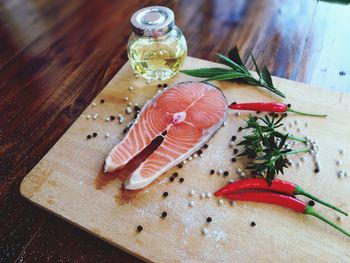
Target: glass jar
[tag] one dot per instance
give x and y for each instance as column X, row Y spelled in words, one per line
column 156, row 48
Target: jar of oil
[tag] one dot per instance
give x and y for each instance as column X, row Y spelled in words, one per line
column 156, row 48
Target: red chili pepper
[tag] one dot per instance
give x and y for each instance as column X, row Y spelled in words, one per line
column 283, row 200
column 270, row 107
column 280, row 186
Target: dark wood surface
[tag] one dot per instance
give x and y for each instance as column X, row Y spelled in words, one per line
column 55, row 56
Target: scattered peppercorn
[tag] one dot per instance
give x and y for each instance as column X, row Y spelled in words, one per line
column 112, row 118
column 240, row 129
column 159, row 85
column 233, row 138
column 102, row 101
column 165, row 85
column 199, row 152
column 317, row 170
column 88, row 137
column 342, row 73
column 233, row 160
column 212, row 171
column 164, row 133
column 252, row 224
column 94, row 134
column 180, row 165
column 181, row 180
column 176, row 174
column 234, row 103
column 139, row 228
column 235, row 151
column 164, row 214
column 226, row 173
column 311, row 203
column 205, row 146
column 289, row 105
column 258, row 112
column 209, row 219
column 165, row 194
column 171, row 179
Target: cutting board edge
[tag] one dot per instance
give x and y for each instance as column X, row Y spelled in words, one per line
column 66, row 219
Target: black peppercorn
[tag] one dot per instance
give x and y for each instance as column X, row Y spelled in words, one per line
column 233, row 138
column 209, row 219
column 94, row 134
column 181, row 180
column 253, row 224
column 165, row 194
column 226, row 173
column 234, row 103
column 200, row 152
column 171, row 179
column 88, row 137
column 212, row 171
column 180, row 166
column 317, row 170
column 240, row 129
column 311, row 203
column 165, row 85
column 205, row 146
column 176, row 174
column 289, row 105
column 159, row 85
column 164, row 214
column 235, row 151
column 112, row 118
column 102, row 101
column 233, row 160
column 139, row 228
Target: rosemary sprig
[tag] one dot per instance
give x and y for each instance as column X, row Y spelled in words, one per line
column 265, row 146
column 238, row 72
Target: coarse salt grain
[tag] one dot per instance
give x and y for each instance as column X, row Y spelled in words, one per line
column 237, row 113
column 191, row 203
column 208, row 195
column 338, row 162
column 231, row 180
column 220, row 172
column 204, row 231
column 93, row 104
column 107, row 134
column 190, row 158
column 148, row 81
column 232, row 144
column 202, row 195
column 238, row 170
column 195, row 156
column 126, row 98
column 88, row 117
column 221, row 202
column 191, row 193
column 224, row 123
column 131, row 88
column 108, row 119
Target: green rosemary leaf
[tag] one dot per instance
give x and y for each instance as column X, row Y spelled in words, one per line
column 266, row 76
column 233, row 54
column 227, row 76
column 206, row 72
column 228, row 62
column 256, row 66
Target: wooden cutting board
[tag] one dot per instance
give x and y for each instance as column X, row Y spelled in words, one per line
column 68, row 183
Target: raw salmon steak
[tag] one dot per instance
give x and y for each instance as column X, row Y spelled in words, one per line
column 186, row 115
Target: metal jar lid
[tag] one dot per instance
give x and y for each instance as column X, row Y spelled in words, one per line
column 153, row 21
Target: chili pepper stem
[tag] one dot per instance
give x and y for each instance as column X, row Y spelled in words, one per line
column 298, row 151
column 310, row 211
column 299, row 191
column 296, row 138
column 306, row 114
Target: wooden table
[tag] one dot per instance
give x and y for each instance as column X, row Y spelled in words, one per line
column 55, row 56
